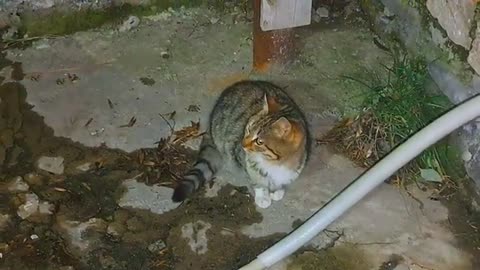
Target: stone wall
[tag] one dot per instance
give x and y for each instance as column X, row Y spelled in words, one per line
column 445, row 33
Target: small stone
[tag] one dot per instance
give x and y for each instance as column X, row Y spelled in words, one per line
column 131, row 23
column 165, row 55
column 29, row 207
column 33, row 179
column 18, row 185
column 84, row 167
column 45, row 208
column 157, row 246
column 214, row 20
column 322, row 12
column 51, row 164
column 155, row 198
column 466, row 156
column 196, row 234
column 34, row 237
column 316, row 18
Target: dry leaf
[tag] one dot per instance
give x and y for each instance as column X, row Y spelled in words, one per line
column 132, row 122
column 149, row 163
column 110, row 103
column 88, row 122
column 187, row 133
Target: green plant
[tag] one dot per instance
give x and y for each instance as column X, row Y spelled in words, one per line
column 403, row 106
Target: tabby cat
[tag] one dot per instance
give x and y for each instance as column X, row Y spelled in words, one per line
column 258, row 126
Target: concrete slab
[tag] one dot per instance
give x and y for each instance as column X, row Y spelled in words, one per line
column 110, row 77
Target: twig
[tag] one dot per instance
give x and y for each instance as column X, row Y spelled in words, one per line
column 172, row 130
column 11, row 42
column 367, row 243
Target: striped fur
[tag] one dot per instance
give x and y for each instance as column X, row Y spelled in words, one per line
column 246, row 112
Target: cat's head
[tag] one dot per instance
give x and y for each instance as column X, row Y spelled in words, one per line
column 273, row 136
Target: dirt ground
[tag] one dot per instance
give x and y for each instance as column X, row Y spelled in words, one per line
column 78, row 223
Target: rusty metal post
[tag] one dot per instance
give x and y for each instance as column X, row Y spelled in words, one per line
column 271, row 47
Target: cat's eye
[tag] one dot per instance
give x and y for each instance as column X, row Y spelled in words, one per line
column 258, row 141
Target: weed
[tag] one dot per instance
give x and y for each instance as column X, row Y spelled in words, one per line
column 395, row 109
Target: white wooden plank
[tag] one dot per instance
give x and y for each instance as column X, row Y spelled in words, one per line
column 281, row 14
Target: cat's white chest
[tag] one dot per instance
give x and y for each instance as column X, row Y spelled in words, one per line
column 277, row 175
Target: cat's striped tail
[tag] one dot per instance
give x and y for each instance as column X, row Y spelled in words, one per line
column 207, row 164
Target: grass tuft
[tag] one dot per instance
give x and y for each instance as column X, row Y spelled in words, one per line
column 395, row 109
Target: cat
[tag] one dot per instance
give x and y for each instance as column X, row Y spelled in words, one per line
column 258, row 126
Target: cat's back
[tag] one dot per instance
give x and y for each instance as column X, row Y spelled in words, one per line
column 246, row 98
column 232, row 110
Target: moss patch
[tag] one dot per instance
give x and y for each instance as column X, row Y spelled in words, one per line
column 337, row 258
column 60, row 22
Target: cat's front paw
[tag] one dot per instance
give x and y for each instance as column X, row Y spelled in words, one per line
column 277, row 195
column 263, row 202
column 262, row 198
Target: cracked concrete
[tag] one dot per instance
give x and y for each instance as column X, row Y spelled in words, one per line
column 109, row 88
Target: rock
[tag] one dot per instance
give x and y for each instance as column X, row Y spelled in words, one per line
column 474, row 54
column 456, row 17
column 196, row 234
column 322, row 12
column 214, row 20
column 129, row 24
column 165, row 55
column 45, row 208
column 79, row 241
column 466, row 156
column 51, row 164
column 155, row 198
column 30, row 206
column 33, row 179
column 157, row 246
column 84, row 167
column 18, row 185
column 33, row 205
column 34, row 237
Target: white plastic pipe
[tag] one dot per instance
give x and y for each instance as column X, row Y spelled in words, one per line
column 367, row 182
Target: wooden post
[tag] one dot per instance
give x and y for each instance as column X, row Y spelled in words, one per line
column 273, row 36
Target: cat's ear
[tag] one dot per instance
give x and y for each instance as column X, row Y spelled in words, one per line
column 282, row 127
column 270, row 105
